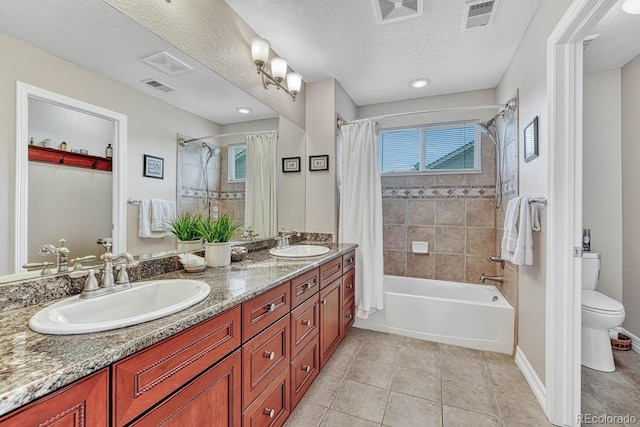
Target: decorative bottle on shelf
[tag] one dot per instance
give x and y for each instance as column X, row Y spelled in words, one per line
column 586, row 240
column 31, row 142
column 109, row 151
column 63, row 146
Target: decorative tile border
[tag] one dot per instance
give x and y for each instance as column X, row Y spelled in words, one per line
column 233, row 195
column 434, row 192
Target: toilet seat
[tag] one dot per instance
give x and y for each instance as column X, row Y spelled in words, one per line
column 597, row 302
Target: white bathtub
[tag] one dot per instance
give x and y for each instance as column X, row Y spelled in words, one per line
column 468, row 315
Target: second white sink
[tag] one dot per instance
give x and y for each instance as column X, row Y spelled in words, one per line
column 299, row 251
column 143, row 302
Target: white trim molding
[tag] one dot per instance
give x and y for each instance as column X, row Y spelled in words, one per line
column 532, row 378
column 564, row 212
column 635, row 340
column 23, row 93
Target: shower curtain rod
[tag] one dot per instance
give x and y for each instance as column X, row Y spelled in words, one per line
column 509, row 105
column 186, row 141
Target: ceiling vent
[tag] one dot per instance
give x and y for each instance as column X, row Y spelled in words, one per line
column 396, row 10
column 158, row 85
column 587, row 41
column 479, row 13
column 167, row 63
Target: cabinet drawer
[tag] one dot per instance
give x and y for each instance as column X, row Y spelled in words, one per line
column 349, row 318
column 145, row 378
column 348, row 261
column 305, row 322
column 263, row 358
column 349, row 284
column 303, row 286
column 330, row 271
column 272, row 407
column 212, row 399
column 304, row 370
column 83, row 403
column 263, row 310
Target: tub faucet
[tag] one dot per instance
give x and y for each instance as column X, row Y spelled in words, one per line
column 61, row 253
column 499, row 279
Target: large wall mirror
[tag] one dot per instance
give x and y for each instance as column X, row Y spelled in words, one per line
column 72, row 81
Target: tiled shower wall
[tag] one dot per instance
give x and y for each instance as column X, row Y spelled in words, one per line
column 454, row 213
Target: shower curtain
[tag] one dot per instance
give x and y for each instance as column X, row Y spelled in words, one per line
column 361, row 211
column 260, row 191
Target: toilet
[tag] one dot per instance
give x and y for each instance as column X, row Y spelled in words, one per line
column 599, row 314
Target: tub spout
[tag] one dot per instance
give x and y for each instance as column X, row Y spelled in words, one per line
column 499, row 279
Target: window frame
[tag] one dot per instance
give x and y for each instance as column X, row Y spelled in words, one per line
column 442, row 125
column 231, row 164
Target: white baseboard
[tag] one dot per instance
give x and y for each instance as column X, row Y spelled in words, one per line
column 635, row 340
column 532, row 378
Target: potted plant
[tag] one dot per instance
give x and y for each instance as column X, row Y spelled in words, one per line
column 185, row 228
column 216, row 234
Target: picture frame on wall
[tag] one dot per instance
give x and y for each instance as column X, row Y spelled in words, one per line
column 319, row 163
column 153, row 167
column 290, row 164
column 531, row 140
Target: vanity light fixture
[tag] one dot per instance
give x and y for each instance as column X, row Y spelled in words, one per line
column 631, row 6
column 419, row 83
column 243, row 110
column 274, row 73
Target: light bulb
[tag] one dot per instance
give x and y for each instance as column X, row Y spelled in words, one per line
column 260, row 51
column 278, row 68
column 294, row 82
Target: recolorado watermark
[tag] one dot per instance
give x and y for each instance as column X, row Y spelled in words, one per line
column 606, row 419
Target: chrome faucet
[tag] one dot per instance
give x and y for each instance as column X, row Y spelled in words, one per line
column 61, row 253
column 108, row 282
column 499, row 279
column 496, row 259
column 282, row 241
column 249, row 234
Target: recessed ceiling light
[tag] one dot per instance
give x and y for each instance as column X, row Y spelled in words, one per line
column 418, row 83
column 631, row 6
column 243, row 110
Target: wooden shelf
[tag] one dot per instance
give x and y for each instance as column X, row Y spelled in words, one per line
column 68, row 158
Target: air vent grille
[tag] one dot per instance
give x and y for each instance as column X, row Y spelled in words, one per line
column 158, row 85
column 588, row 40
column 167, row 63
column 396, row 10
column 479, row 13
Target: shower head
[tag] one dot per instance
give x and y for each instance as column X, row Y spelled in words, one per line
column 486, row 129
column 212, row 150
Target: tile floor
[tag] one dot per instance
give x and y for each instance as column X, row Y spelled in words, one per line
column 613, row 393
column 378, row 379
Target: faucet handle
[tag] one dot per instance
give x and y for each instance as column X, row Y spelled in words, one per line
column 36, row 265
column 77, row 262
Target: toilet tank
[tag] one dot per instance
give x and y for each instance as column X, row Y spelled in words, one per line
column 590, row 270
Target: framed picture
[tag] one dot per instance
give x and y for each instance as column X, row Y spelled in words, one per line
column 291, row 164
column 153, row 167
column 531, row 140
column 319, row 163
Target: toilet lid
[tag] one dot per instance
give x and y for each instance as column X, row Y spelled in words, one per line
column 596, row 301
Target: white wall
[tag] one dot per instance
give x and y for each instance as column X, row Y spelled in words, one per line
column 631, row 194
column 152, row 129
column 527, row 71
column 291, row 185
column 602, row 177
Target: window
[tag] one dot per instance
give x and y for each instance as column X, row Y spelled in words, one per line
column 237, row 162
column 447, row 147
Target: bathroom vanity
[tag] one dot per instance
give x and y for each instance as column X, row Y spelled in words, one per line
column 244, row 356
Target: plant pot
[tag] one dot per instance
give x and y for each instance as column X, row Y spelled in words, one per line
column 188, row 245
column 217, row 254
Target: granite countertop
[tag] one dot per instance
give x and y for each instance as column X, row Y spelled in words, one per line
column 33, row 365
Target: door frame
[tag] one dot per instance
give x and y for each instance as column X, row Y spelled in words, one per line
column 564, row 212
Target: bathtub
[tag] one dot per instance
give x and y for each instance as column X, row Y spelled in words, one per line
column 463, row 314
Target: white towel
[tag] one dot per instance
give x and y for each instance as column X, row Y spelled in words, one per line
column 162, row 213
column 529, row 221
column 510, row 236
column 145, row 221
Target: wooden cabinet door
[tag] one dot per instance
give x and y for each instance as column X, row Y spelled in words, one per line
column 330, row 320
column 211, row 400
column 84, row 403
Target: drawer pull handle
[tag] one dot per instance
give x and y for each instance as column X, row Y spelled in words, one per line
column 271, row 308
column 349, row 316
column 306, row 322
column 324, row 301
column 307, row 286
column 350, row 285
column 269, row 412
column 306, row 368
column 269, row 355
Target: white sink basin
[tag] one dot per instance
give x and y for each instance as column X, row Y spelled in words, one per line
column 299, row 251
column 143, row 302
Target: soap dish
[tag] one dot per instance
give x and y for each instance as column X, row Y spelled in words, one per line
column 195, row 268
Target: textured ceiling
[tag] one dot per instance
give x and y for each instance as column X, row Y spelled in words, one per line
column 96, row 36
column 375, row 62
column 618, row 42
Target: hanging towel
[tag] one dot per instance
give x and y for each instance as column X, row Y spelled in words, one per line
column 510, row 236
column 528, row 222
column 162, row 213
column 145, row 221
